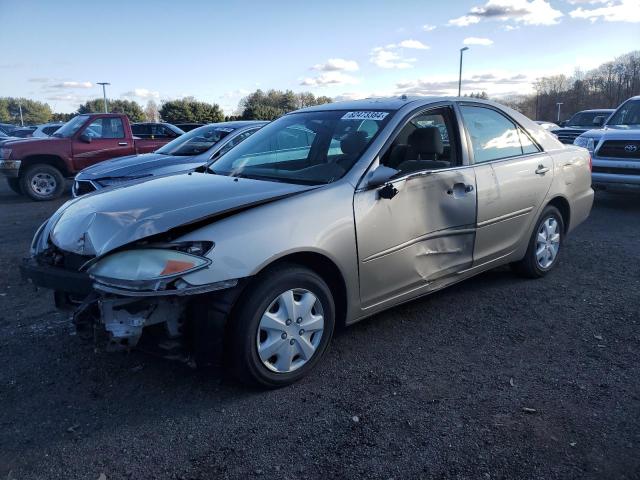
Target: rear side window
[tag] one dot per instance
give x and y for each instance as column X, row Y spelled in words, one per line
column 494, row 136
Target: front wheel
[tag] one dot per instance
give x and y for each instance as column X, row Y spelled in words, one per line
column 544, row 245
column 282, row 328
column 42, row 182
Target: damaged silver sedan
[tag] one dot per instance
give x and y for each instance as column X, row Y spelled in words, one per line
column 324, row 217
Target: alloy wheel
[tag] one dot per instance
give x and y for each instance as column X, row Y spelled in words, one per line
column 547, row 243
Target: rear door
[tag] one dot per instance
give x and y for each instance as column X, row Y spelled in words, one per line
column 425, row 232
column 513, row 177
column 107, row 140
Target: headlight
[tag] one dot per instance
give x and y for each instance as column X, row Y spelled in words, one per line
column 585, row 142
column 145, row 269
column 5, row 153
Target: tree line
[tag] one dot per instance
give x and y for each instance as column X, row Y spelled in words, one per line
column 259, row 105
column 606, row 86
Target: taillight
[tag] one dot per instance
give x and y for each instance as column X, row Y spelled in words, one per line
column 590, row 164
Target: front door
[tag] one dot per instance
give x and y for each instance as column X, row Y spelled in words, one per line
column 107, row 140
column 426, row 231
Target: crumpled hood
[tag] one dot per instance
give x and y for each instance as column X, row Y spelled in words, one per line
column 97, row 223
column 134, row 165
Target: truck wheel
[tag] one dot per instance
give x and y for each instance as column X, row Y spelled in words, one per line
column 282, row 327
column 544, row 245
column 14, row 184
column 42, row 182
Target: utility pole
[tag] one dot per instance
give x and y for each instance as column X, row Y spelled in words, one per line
column 558, row 104
column 104, row 95
column 462, row 50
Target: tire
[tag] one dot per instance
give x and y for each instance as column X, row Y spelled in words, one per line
column 535, row 265
column 14, row 184
column 276, row 292
column 42, row 182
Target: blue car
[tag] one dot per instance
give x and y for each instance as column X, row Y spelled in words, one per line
column 187, row 152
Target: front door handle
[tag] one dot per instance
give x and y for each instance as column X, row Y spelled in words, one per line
column 460, row 189
column 541, row 170
column 123, row 144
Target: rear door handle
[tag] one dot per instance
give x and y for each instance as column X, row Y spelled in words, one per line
column 123, row 144
column 541, row 170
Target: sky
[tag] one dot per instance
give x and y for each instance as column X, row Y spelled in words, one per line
column 220, row 51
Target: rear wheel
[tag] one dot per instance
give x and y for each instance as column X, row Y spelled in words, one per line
column 544, row 245
column 42, row 182
column 14, row 184
column 282, row 328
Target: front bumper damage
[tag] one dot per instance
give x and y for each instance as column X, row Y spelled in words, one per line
column 179, row 324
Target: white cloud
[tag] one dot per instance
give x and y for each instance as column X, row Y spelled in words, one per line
column 386, row 57
column 464, row 21
column 621, row 11
column 527, row 12
column 477, row 41
column 337, row 64
column 415, row 44
column 329, row 78
column 428, row 28
column 73, row 85
column 142, row 93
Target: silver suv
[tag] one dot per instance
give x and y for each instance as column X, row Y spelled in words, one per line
column 324, row 217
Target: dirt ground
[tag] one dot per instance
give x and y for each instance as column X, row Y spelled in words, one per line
column 495, row 378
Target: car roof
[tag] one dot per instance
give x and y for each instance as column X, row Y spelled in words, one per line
column 391, row 103
column 236, row 123
column 598, row 110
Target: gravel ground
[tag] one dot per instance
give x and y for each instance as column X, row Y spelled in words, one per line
column 438, row 388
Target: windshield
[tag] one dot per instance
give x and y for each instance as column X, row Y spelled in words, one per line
column 585, row 119
column 71, row 127
column 309, row 148
column 628, row 114
column 196, row 141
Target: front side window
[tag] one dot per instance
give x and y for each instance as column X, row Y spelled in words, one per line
column 196, row 141
column 309, row 147
column 627, row 115
column 494, row 136
column 105, row 128
column 424, row 143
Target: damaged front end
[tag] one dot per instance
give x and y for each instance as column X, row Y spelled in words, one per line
column 116, row 297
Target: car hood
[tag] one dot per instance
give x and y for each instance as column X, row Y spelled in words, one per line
column 614, row 133
column 134, row 165
column 33, row 145
column 97, row 223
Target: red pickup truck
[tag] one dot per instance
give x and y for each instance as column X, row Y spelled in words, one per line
column 37, row 167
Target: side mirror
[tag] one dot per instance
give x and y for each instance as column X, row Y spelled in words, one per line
column 85, row 138
column 598, row 121
column 380, row 176
column 563, row 123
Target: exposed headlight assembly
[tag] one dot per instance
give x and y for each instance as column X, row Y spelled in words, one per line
column 585, row 142
column 145, row 268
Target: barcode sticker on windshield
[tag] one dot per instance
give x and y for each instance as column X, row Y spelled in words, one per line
column 365, row 115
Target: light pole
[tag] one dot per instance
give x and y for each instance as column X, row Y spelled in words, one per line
column 21, row 119
column 104, row 95
column 462, row 50
column 558, row 105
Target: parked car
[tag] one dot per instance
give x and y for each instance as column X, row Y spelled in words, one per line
column 581, row 122
column 46, row 129
column 38, row 167
column 7, row 128
column 187, row 152
column 187, row 127
column 547, row 125
column 156, row 130
column 615, row 149
column 323, row 217
column 22, row 132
